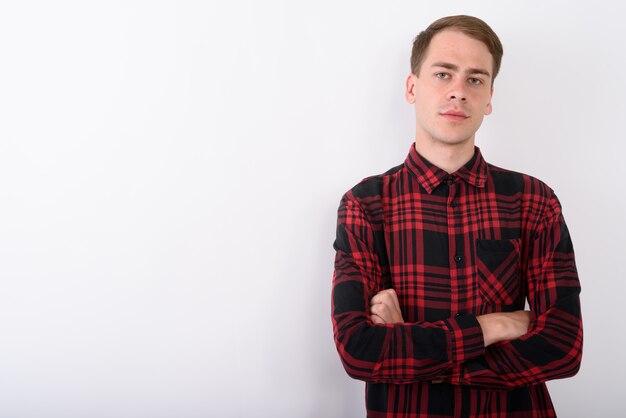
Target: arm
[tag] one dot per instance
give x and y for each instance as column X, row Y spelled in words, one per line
column 552, row 348
column 393, row 353
column 496, row 327
column 516, row 357
column 503, row 326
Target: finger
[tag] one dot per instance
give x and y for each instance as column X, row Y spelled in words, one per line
column 389, row 297
column 377, row 319
column 384, row 312
column 378, row 309
column 386, row 296
column 378, row 297
column 394, row 297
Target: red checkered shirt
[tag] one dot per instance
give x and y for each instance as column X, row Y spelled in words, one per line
column 454, row 246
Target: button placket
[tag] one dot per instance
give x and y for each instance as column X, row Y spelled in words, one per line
column 451, row 191
column 454, row 251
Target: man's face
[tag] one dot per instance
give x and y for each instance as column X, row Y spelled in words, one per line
column 453, row 91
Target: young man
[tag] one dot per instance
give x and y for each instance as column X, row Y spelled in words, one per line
column 437, row 257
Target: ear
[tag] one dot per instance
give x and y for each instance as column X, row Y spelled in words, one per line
column 489, row 109
column 409, row 94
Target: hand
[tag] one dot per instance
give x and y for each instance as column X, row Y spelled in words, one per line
column 502, row 326
column 385, row 308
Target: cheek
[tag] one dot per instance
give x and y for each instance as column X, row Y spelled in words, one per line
column 426, row 99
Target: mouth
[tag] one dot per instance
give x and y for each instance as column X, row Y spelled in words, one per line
column 454, row 115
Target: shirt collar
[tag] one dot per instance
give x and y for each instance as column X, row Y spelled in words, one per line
column 430, row 176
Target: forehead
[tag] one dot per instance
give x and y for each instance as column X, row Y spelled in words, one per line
column 455, row 47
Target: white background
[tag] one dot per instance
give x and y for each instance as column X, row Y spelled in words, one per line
column 170, row 173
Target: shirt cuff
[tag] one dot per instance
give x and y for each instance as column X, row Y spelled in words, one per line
column 465, row 338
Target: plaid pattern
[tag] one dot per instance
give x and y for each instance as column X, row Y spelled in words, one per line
column 453, row 247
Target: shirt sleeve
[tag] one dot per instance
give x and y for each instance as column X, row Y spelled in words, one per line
column 391, row 353
column 552, row 348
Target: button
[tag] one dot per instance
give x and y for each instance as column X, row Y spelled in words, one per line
column 453, row 204
column 458, row 258
column 457, row 315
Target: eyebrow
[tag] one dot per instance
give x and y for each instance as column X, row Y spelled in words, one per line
column 454, row 67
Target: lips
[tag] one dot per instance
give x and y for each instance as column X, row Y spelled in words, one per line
column 454, row 115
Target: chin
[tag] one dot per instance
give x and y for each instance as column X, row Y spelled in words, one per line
column 455, row 135
column 454, row 140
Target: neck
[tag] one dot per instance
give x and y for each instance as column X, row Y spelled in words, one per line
column 448, row 157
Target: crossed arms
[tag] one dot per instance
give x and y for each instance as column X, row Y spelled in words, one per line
column 498, row 350
column 496, row 327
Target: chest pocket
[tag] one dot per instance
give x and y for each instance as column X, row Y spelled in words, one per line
column 498, row 268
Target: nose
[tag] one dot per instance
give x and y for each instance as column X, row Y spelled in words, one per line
column 457, row 91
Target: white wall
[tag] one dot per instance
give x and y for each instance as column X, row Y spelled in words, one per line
column 170, row 173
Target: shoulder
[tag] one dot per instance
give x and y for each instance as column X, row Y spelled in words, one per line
column 509, row 182
column 372, row 186
column 368, row 193
column 538, row 199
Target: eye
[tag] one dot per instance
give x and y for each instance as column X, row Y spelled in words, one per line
column 475, row 81
column 442, row 76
